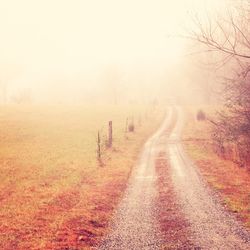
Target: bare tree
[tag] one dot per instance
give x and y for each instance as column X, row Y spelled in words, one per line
column 228, row 34
column 23, row 96
column 3, row 91
column 229, row 37
column 8, row 72
column 112, row 83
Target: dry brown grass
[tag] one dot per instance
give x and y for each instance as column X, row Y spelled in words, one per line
column 231, row 181
column 53, row 193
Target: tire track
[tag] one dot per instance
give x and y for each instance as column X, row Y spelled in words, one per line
column 135, row 224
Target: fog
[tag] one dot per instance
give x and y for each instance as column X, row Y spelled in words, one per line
column 74, row 51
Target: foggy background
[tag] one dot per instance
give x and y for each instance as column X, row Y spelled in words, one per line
column 76, row 51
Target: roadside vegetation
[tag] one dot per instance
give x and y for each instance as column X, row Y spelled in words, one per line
column 231, row 180
column 220, row 142
column 226, row 38
column 54, row 193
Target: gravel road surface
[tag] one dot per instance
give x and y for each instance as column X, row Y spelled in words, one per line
column 135, row 224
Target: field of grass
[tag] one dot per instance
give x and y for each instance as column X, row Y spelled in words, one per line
column 53, row 192
column 231, row 181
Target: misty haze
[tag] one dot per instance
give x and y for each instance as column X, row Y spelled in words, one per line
column 124, row 124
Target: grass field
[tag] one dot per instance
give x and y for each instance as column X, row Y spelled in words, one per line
column 53, row 192
column 231, row 181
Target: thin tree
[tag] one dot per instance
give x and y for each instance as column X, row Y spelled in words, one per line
column 229, row 38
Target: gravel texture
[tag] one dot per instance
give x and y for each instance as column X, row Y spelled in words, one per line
column 135, row 224
column 212, row 227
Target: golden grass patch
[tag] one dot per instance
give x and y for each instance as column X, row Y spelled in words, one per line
column 53, row 193
column 230, row 180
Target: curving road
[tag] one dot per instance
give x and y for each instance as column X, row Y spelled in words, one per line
column 135, row 224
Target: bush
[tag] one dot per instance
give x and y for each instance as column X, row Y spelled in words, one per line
column 201, row 116
column 131, row 127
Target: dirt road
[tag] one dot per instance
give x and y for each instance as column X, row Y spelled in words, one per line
column 211, row 226
column 135, row 224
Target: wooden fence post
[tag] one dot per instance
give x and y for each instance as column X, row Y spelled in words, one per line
column 98, row 146
column 131, row 125
column 110, row 136
column 126, row 126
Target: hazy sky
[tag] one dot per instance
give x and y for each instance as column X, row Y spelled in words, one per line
column 47, row 39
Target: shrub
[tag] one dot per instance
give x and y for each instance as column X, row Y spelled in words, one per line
column 201, row 116
column 131, row 127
